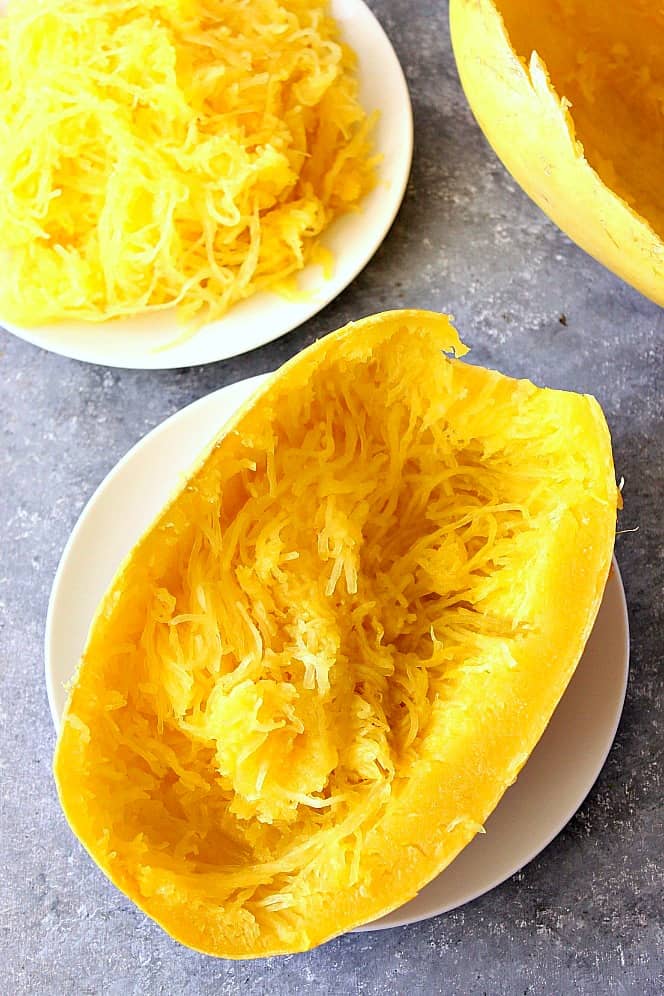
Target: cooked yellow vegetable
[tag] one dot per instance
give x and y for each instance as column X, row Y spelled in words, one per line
column 163, row 151
column 317, row 673
column 569, row 95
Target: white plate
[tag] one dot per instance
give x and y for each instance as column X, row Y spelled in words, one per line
column 138, row 342
column 559, row 773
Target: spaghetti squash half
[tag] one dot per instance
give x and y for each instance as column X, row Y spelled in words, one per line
column 315, row 676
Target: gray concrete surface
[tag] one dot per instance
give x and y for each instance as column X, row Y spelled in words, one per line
column 586, row 915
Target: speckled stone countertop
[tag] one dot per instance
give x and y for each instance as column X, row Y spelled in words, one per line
column 586, row 915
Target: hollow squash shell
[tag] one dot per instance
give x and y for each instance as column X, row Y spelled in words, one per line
column 531, row 128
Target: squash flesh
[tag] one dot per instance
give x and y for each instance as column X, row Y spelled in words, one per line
column 352, row 588
column 163, row 152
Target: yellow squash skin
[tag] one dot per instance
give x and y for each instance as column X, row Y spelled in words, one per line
column 567, row 95
column 475, row 516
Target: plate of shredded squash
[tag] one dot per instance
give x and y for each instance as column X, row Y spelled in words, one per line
column 345, row 601
column 184, row 181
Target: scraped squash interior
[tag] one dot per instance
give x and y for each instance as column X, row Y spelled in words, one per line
column 262, row 746
column 608, row 60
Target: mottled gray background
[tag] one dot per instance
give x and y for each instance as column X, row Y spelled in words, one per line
column 585, row 915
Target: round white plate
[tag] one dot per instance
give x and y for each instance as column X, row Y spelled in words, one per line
column 139, row 342
column 559, row 773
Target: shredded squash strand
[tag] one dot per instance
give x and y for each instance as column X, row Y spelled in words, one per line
column 170, row 151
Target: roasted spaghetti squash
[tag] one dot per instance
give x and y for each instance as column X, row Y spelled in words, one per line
column 162, row 152
column 315, row 676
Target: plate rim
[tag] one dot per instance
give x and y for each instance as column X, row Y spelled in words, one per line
column 244, row 387
column 160, row 358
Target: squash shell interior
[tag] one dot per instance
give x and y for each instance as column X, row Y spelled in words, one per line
column 568, row 93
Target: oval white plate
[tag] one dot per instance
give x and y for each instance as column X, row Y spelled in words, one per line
column 138, row 342
column 559, row 773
